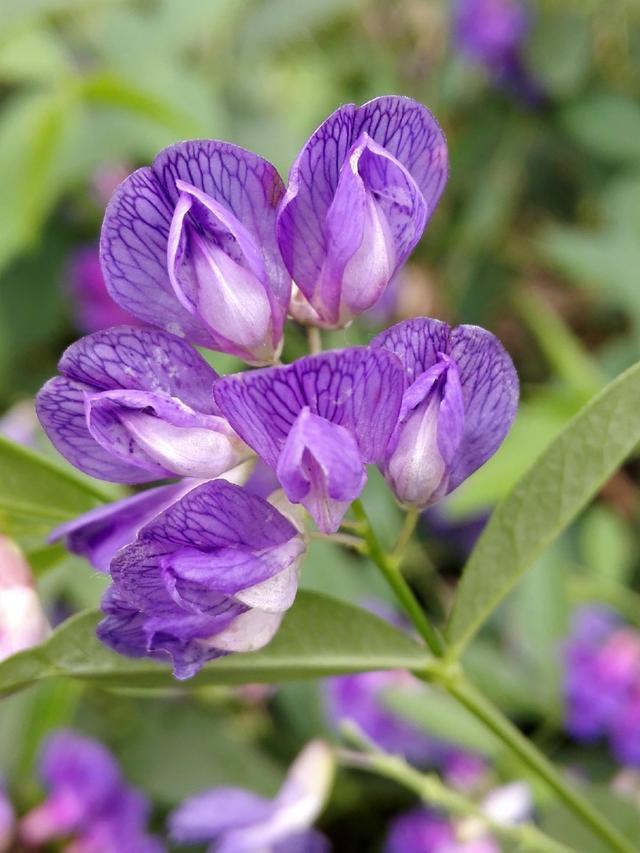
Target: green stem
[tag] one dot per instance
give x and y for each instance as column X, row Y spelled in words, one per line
column 314, row 339
column 410, row 521
column 391, row 571
column 434, row 793
column 494, row 720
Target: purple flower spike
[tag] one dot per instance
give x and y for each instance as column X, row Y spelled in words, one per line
column 134, row 405
column 317, row 422
column 100, row 533
column 239, row 821
column 459, row 405
column 360, row 194
column 212, row 574
column 88, row 799
column 189, row 245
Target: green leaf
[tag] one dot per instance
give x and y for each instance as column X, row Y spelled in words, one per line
column 32, row 487
column 549, row 496
column 319, row 636
column 175, row 750
column 607, row 126
column 441, row 717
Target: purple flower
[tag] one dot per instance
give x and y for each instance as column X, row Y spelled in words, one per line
column 239, row 821
column 22, row 620
column 360, row 194
column 602, row 682
column 93, row 308
column 493, row 33
column 423, row 831
column 212, row 574
column 459, row 403
column 134, row 405
column 189, row 245
column 87, row 799
column 317, row 422
column 490, row 31
column 100, row 533
column 7, row 818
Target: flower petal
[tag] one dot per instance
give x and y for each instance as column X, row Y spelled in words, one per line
column 416, row 343
column 359, row 389
column 162, row 435
column 248, row 632
column 248, row 186
column 133, row 253
column 490, row 391
column 320, row 466
column 100, row 533
column 220, row 515
column 408, row 132
column 60, row 405
column 142, row 360
column 207, row 815
column 488, row 380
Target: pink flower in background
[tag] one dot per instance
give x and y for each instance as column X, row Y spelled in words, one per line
column 22, row 620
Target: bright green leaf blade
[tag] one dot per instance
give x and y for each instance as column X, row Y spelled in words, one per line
column 32, row 486
column 319, row 636
column 549, row 496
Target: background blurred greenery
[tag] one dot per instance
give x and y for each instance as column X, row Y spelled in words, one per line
column 537, row 238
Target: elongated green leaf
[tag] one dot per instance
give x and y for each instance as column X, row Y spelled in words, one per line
column 319, row 636
column 549, row 496
column 31, row 487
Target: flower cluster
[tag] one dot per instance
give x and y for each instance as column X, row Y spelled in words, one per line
column 204, row 248
column 87, row 800
column 602, row 683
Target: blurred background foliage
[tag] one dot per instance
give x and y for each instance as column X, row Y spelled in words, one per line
column 537, row 238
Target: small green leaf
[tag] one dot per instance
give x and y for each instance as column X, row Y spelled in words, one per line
column 545, row 501
column 32, row 487
column 319, row 636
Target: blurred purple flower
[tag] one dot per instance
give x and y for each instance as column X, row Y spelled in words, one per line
column 87, row 799
column 22, row 620
column 422, row 831
column 239, row 821
column 493, row 33
column 134, row 405
column 459, row 403
column 602, row 682
column 317, row 422
column 212, row 574
column 20, row 423
column 7, row 819
column 93, row 308
column 360, row 194
column 189, row 245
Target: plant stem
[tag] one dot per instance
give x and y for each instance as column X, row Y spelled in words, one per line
column 346, row 539
column 410, row 521
column 494, row 720
column 314, row 338
column 391, row 571
column 431, row 790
